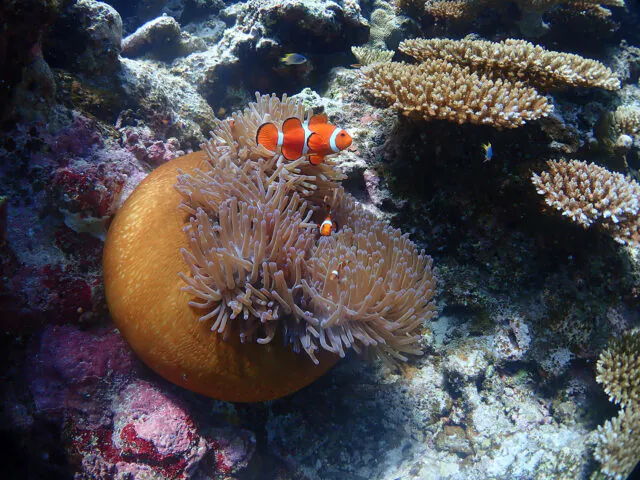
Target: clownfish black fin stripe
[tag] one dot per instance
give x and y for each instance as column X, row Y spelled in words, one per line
column 290, row 124
column 318, row 119
column 267, row 136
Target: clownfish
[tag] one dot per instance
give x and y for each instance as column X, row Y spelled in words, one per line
column 314, row 139
column 327, row 226
column 335, row 274
column 488, row 151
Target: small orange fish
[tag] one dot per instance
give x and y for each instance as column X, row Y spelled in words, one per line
column 327, row 226
column 314, row 139
column 335, row 274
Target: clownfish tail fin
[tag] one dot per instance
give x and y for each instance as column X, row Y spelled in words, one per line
column 267, row 136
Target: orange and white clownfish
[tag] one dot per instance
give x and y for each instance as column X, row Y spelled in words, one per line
column 327, row 226
column 314, row 139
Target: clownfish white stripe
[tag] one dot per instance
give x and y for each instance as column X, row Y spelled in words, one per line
column 307, row 134
column 280, row 138
column 332, row 140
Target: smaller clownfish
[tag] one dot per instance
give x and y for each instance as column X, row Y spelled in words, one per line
column 488, row 152
column 336, row 273
column 327, row 226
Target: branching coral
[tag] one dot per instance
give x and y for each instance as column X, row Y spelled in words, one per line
column 626, row 120
column 206, row 280
column 451, row 9
column 618, row 442
column 467, row 10
column 516, row 59
column 618, row 370
column 442, row 90
column 592, row 195
column 368, row 55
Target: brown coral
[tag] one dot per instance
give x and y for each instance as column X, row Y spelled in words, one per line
column 368, row 55
column 516, row 59
column 442, row 90
column 618, row 370
column 626, row 120
column 618, row 444
column 592, row 195
column 617, row 441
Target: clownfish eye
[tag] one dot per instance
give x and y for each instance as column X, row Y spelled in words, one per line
column 342, row 134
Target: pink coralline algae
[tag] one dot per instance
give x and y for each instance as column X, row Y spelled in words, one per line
column 152, row 428
column 140, row 141
column 78, row 139
column 119, row 425
column 91, row 189
column 74, row 368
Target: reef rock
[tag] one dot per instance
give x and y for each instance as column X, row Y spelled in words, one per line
column 161, row 38
column 154, row 89
column 86, row 39
column 264, row 30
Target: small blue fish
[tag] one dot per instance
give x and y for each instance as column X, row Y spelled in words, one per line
column 293, row 59
column 488, row 151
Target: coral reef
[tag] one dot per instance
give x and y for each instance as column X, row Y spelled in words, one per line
column 591, row 195
column 531, row 21
column 367, row 55
column 442, row 90
column 527, row 302
column 617, row 443
column 161, row 38
column 516, row 59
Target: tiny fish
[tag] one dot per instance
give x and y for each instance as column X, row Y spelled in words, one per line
column 314, row 139
column 327, row 226
column 335, row 274
column 488, row 151
column 293, row 59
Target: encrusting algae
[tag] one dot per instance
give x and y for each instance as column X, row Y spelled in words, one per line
column 218, row 277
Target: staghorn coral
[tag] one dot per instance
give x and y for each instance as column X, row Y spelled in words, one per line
column 449, row 9
column 617, row 441
column 626, row 120
column 618, row 444
column 516, row 59
column 592, row 195
column 239, row 267
column 618, row 370
column 368, row 55
column 466, row 9
column 446, row 91
column 546, row 5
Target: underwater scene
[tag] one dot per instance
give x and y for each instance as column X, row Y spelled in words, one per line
column 320, row 239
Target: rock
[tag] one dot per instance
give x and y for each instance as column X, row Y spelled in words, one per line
column 263, row 31
column 159, row 93
column 464, row 365
column 161, row 38
column 101, row 26
column 20, row 43
column 454, row 439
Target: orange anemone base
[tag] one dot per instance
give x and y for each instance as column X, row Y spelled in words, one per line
column 141, row 263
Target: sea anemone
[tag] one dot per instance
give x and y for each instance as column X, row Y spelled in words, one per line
column 217, row 276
